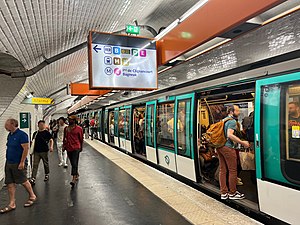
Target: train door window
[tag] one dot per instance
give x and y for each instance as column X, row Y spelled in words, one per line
column 184, row 127
column 150, row 126
column 138, row 129
column 111, row 126
column 165, row 125
column 122, row 123
column 127, row 124
column 106, row 122
column 100, row 124
column 290, row 131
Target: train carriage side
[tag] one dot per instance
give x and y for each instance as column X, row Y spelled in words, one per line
column 277, row 143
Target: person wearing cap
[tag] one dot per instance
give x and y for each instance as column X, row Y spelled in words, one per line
column 72, row 143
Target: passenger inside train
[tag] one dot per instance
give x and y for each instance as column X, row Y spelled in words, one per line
column 212, row 109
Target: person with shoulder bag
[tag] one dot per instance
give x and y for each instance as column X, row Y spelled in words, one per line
column 72, row 143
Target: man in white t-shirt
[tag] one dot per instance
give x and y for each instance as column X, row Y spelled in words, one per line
column 62, row 155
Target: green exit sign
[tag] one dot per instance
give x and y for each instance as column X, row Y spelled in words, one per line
column 24, row 120
column 131, row 29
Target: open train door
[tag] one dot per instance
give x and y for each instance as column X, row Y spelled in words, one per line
column 150, row 132
column 106, row 125
column 184, row 138
column 277, row 146
column 116, row 127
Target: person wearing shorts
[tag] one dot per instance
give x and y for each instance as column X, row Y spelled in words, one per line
column 15, row 165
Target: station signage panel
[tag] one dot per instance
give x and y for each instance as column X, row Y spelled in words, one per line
column 121, row 62
column 38, row 101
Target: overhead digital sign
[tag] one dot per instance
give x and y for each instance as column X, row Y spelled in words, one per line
column 121, row 62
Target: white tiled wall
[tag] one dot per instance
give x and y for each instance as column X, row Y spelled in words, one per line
column 13, row 112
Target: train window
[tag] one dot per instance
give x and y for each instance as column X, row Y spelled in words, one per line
column 106, row 122
column 149, row 126
column 165, row 125
column 293, row 123
column 111, row 126
column 122, row 123
column 183, row 128
column 127, row 124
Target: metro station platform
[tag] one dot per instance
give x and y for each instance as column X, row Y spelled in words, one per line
column 115, row 188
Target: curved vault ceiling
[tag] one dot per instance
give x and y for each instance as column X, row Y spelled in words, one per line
column 31, row 31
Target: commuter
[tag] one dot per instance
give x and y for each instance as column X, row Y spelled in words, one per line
column 62, row 155
column 54, row 129
column 86, row 127
column 294, row 132
column 228, row 158
column 73, row 140
column 93, row 128
column 16, row 163
column 43, row 139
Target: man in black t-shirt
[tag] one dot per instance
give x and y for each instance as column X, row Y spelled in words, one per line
column 294, row 130
column 42, row 140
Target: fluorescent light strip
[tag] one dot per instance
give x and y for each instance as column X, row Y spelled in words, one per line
column 281, row 15
column 165, row 69
column 208, row 49
column 192, row 10
column 167, row 30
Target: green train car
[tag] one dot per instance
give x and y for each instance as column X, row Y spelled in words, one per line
column 166, row 129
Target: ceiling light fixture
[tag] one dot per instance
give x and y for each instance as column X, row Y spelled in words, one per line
column 165, row 69
column 281, row 15
column 192, row 10
column 167, row 30
column 208, row 49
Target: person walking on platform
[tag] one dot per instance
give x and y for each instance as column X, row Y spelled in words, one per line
column 41, row 148
column 16, row 163
column 228, row 157
column 86, row 127
column 62, row 155
column 73, row 140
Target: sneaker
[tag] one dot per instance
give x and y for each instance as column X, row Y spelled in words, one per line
column 46, row 177
column 224, row 196
column 236, row 196
column 60, row 164
column 66, row 166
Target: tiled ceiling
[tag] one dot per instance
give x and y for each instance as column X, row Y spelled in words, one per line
column 34, row 30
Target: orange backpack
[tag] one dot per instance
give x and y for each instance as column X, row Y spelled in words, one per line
column 215, row 135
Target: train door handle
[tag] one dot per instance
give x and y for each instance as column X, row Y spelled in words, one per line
column 256, row 141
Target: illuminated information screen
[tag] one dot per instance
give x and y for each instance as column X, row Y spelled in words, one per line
column 121, row 62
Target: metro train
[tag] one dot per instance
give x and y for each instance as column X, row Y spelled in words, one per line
column 165, row 129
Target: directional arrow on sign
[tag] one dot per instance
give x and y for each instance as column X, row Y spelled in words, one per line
column 96, row 49
column 24, row 120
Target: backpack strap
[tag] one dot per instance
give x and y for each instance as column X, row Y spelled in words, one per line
column 225, row 120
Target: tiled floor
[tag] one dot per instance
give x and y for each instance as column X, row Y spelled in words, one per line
column 105, row 195
column 195, row 206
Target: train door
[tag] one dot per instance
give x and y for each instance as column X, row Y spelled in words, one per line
column 277, row 146
column 100, row 125
column 116, row 127
column 150, row 137
column 138, row 130
column 128, row 128
column 111, row 126
column 165, row 134
column 184, row 144
column 94, row 132
column 121, row 127
column 106, row 126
